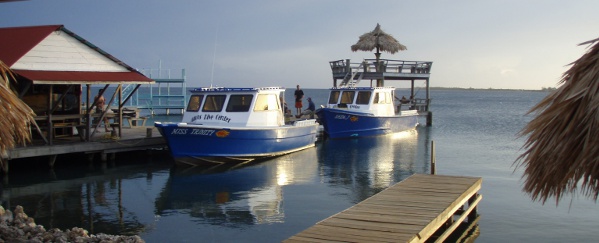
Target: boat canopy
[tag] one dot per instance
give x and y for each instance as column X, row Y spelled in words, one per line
column 235, row 107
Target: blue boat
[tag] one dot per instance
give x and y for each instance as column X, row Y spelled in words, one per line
column 238, row 125
column 364, row 112
column 353, row 111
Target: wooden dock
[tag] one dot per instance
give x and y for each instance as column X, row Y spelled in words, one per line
column 105, row 143
column 420, row 208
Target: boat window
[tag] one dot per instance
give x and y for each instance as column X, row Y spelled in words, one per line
column 334, row 97
column 214, row 103
column 388, row 99
column 195, row 102
column 347, row 97
column 266, row 102
column 363, row 97
column 239, row 103
column 381, row 98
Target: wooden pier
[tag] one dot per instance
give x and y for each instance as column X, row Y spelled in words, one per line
column 422, row 208
column 105, row 143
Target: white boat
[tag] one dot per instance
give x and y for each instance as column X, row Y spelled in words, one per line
column 223, row 125
column 353, row 111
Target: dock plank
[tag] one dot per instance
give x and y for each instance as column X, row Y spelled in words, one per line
column 409, row 211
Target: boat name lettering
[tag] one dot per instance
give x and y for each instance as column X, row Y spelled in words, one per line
column 212, row 117
column 179, row 131
column 223, row 118
column 202, row 132
column 341, row 117
column 354, row 106
column 196, row 118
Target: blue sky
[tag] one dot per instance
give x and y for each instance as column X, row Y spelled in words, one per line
column 511, row 44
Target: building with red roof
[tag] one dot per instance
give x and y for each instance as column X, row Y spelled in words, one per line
column 53, row 62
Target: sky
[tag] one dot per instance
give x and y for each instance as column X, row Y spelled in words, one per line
column 499, row 44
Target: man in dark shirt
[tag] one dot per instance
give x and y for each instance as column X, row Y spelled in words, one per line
column 311, row 108
column 299, row 94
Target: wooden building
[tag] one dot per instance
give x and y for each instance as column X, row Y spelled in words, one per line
column 53, row 67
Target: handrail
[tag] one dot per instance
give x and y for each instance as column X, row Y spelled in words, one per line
column 389, row 65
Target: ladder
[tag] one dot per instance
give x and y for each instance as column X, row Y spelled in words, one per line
column 349, row 81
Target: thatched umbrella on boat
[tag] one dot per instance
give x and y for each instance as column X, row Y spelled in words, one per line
column 380, row 41
column 562, row 151
column 16, row 115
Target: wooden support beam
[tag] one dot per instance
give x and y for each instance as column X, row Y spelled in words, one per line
column 429, row 118
column 52, row 160
column 4, row 165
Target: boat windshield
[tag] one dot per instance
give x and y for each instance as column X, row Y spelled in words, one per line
column 334, row 97
column 347, row 97
column 214, row 103
column 363, row 97
column 195, row 101
column 239, row 103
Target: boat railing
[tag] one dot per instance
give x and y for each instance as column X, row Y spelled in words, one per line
column 385, row 65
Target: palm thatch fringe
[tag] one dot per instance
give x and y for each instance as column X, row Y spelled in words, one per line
column 16, row 115
column 379, row 40
column 561, row 153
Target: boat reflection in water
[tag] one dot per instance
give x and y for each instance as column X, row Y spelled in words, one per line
column 96, row 200
column 234, row 196
column 264, row 201
column 371, row 163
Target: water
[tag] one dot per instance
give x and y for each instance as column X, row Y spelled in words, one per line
column 474, row 133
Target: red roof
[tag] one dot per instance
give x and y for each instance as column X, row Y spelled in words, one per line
column 18, row 41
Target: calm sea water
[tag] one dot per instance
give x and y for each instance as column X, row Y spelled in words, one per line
column 474, row 133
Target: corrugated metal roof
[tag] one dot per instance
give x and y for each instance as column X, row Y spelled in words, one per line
column 16, row 42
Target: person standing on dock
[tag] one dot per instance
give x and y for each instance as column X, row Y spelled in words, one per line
column 299, row 95
column 100, row 101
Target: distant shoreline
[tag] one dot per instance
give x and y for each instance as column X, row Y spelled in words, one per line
column 477, row 89
column 492, row 89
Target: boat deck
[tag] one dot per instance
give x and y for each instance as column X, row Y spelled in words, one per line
column 420, row 208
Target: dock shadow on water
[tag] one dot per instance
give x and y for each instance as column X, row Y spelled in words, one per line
column 262, row 201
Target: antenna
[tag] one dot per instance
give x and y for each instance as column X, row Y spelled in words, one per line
column 214, row 56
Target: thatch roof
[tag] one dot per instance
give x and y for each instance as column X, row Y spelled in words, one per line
column 561, row 153
column 379, row 40
column 16, row 115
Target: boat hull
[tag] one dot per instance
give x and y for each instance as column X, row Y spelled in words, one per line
column 203, row 143
column 338, row 123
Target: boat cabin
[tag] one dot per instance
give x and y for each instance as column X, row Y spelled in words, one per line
column 375, row 100
column 235, row 107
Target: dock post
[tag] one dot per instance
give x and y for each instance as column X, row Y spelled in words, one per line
column 149, row 132
column 473, row 214
column 103, row 157
column 52, row 161
column 429, row 119
column 4, row 165
column 433, row 159
column 90, row 160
